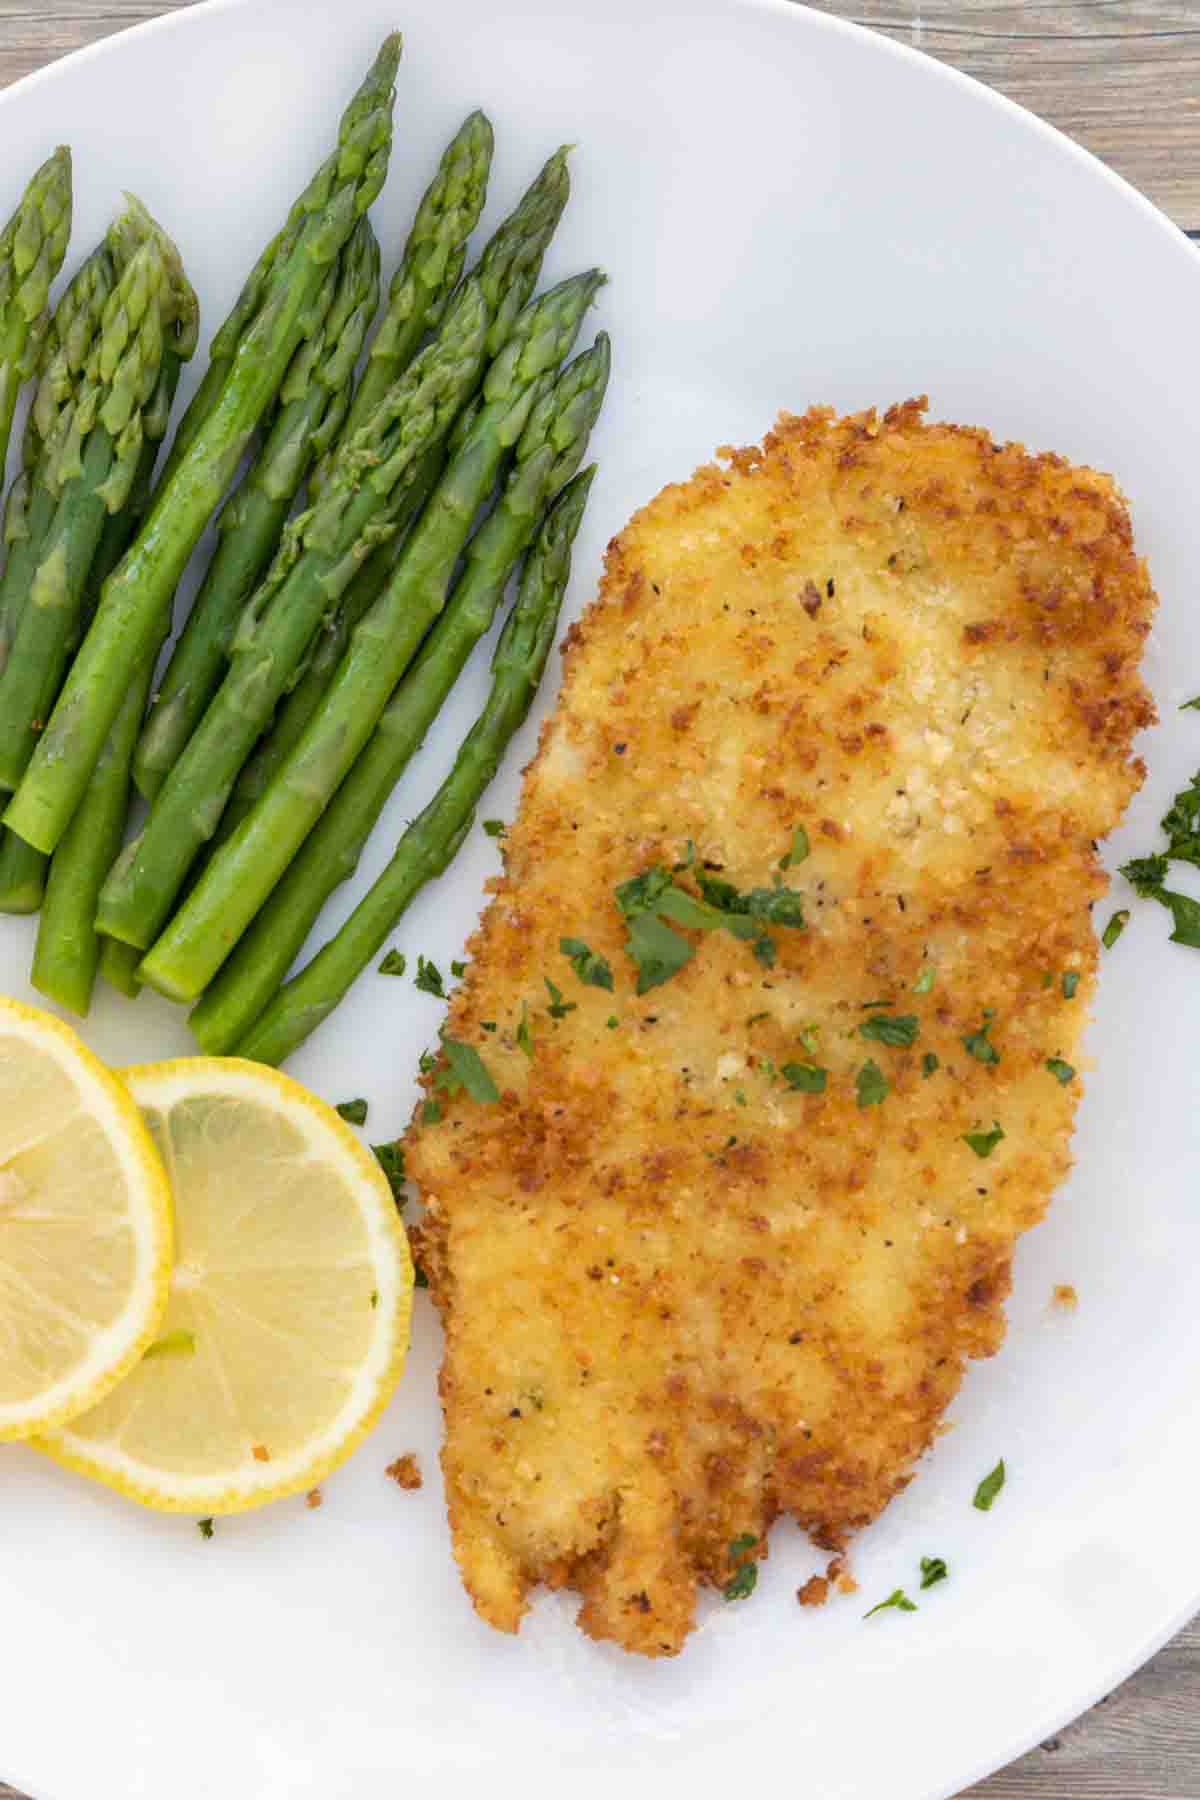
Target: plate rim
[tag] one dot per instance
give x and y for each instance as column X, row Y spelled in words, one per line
column 1117, row 1668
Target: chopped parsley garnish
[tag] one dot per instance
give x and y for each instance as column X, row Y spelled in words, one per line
column 929, row 1065
column 458, row 970
column 984, row 1142
column 897, row 1599
column 1146, row 875
column 431, row 1112
column 989, row 1487
column 799, row 850
column 1191, row 705
column 429, row 978
column 558, row 1008
column 925, row 980
column 204, row 1527
column 174, row 1343
column 810, row 1039
column 979, row 1044
column 390, row 1158
column 612, row 1021
column 1061, row 1071
column 420, row 1278
column 495, row 828
column 353, row 1111
column 1047, row 979
column 742, row 1584
column 653, row 898
column 1114, row 928
column 524, row 1034
column 745, row 1573
column 933, row 1570
column 394, row 963
column 755, row 1018
column 1070, row 983
column 872, row 1085
column 805, row 1078
column 467, row 1071
column 591, row 969
column 427, row 1062
column 487, row 1024
column 1186, row 914
column 899, row 1031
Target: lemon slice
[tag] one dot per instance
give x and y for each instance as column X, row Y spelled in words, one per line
column 287, row 1324
column 85, row 1226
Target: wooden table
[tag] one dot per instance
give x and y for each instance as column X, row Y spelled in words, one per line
column 1122, row 77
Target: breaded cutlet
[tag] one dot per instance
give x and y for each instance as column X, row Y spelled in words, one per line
column 891, row 666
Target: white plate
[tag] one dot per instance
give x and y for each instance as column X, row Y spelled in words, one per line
column 791, row 211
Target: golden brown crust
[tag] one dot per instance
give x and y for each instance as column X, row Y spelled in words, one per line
column 679, row 1298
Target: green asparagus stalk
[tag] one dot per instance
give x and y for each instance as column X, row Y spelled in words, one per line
column 31, row 504
column 551, row 449
column 325, row 654
column 314, row 400
column 90, row 462
column 67, row 952
column 118, row 967
column 32, row 246
column 320, row 553
column 138, row 595
column 432, row 263
column 242, row 873
column 434, row 837
column 22, row 868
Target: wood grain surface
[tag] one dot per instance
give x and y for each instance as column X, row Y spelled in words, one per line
column 1123, row 78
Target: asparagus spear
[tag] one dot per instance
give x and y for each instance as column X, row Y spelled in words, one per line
column 138, row 594
column 90, row 462
column 432, row 263
column 242, row 873
column 325, row 654
column 31, row 504
column 551, row 449
column 314, row 399
column 32, row 246
column 22, row 868
column 320, row 552
column 433, row 839
column 118, row 967
column 68, row 949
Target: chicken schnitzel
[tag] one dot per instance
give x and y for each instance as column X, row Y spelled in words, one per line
column 783, row 989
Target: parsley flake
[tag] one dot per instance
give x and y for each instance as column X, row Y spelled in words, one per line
column 984, row 1142
column 925, row 980
column 431, row 1112
column 658, row 951
column 1061, row 1071
column 495, row 828
column 591, row 969
column 989, row 1487
column 899, row 1031
column 745, row 1573
column 979, row 1045
column 390, row 1158
column 929, row 1065
column 872, row 1085
column 394, row 963
column 1191, row 705
column 458, row 970
column 799, row 850
column 612, row 1021
column 559, row 1008
column 204, row 1527
column 429, row 978
column 897, row 1599
column 420, row 1278
column 353, row 1111
column 1186, row 914
column 468, row 1071
column 1114, row 928
column 933, row 1570
column 524, row 1035
column 1070, row 983
column 805, row 1078
column 487, row 1024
